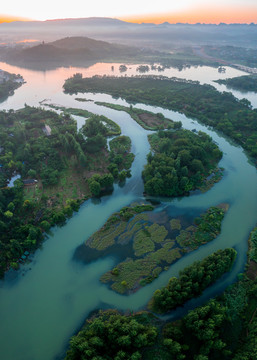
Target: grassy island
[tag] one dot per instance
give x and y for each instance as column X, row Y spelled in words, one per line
column 57, row 168
column 223, row 111
column 146, row 119
column 152, row 245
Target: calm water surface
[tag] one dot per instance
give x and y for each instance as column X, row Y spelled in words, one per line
column 44, row 303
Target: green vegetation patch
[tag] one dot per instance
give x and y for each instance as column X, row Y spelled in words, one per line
column 223, row 111
column 157, row 232
column 45, row 149
column 133, row 226
column 109, row 234
column 146, row 119
column 120, row 155
column 111, row 127
column 98, row 124
column 181, row 162
column 109, row 335
column 253, row 245
column 59, row 169
column 153, row 248
column 130, row 272
column 222, row 328
column 234, row 54
column 8, row 83
column 106, row 238
column 192, row 280
column 144, row 239
column 207, row 227
column 166, row 253
column 175, row 224
column 241, row 83
column 143, row 243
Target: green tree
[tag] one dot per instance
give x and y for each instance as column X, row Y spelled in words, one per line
column 95, row 188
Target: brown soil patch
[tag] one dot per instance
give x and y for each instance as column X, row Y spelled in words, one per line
column 150, row 120
column 252, row 270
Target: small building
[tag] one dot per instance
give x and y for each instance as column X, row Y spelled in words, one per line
column 29, row 182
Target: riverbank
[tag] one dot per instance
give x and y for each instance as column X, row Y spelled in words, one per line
column 59, row 170
column 222, row 111
column 8, row 83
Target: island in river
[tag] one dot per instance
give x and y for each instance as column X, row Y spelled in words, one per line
column 148, row 243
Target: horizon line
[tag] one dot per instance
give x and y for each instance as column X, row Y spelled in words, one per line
column 5, row 19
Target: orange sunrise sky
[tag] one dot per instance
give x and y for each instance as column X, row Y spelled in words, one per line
column 191, row 11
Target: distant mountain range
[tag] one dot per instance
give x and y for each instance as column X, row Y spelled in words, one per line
column 150, row 35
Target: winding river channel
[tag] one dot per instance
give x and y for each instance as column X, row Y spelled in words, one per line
column 47, row 300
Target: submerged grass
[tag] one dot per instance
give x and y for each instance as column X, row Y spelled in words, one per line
column 154, row 251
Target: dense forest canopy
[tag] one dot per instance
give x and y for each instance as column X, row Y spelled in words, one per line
column 57, row 172
column 180, row 163
column 242, row 83
column 193, row 280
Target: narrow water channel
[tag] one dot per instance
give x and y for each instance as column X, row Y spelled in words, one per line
column 45, row 302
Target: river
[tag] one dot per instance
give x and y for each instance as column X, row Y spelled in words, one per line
column 46, row 301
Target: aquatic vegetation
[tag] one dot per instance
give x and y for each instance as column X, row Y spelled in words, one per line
column 144, row 239
column 131, row 271
column 106, row 237
column 152, row 246
column 175, row 224
column 143, row 243
column 115, row 226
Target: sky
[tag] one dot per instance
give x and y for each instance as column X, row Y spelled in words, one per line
column 191, row 11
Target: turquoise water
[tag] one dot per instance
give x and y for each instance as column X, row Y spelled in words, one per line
column 45, row 302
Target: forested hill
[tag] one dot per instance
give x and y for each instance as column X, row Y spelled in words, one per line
column 71, row 51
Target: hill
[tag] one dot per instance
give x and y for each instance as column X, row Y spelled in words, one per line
column 70, row 51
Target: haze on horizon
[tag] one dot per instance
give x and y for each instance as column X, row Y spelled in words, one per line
column 186, row 11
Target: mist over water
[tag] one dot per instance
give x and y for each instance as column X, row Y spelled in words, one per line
column 46, row 301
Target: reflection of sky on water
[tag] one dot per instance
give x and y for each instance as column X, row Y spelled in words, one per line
column 47, row 84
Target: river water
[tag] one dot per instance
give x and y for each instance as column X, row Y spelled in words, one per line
column 46, row 301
